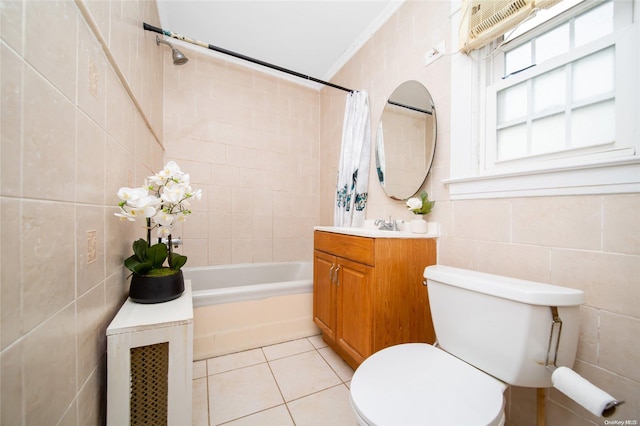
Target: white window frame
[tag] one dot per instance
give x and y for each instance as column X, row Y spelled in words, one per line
column 475, row 175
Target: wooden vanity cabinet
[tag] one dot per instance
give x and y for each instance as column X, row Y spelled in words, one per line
column 342, row 308
column 368, row 293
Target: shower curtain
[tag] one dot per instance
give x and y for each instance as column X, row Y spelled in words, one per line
column 353, row 170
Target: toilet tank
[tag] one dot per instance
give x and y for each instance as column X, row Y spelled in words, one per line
column 503, row 325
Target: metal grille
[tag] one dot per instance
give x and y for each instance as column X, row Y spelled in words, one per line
column 149, row 384
column 486, row 15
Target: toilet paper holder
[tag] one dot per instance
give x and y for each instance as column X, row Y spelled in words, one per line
column 556, row 324
column 556, row 330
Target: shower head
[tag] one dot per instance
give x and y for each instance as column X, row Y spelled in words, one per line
column 178, row 56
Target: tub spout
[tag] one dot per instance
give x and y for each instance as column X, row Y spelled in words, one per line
column 175, row 242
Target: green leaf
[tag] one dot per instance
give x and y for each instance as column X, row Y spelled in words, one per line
column 134, row 265
column 177, row 261
column 140, row 248
column 143, row 268
column 157, row 254
column 426, row 204
column 131, row 262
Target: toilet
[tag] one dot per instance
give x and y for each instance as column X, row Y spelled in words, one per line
column 491, row 332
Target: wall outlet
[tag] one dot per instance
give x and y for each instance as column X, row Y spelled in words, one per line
column 92, row 246
column 434, row 53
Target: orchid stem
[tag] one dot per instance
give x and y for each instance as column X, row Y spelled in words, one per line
column 149, row 232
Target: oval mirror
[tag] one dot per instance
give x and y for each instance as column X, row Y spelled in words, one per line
column 406, row 140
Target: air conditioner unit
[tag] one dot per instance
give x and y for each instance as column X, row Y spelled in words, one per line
column 486, row 20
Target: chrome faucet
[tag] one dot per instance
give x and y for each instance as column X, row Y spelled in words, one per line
column 383, row 225
column 175, row 242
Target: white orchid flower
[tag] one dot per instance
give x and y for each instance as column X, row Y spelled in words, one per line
column 154, row 181
column 173, row 193
column 147, row 200
column 164, row 231
column 163, row 218
column 149, row 211
column 125, row 216
column 131, row 194
column 197, row 194
column 170, row 170
column 146, row 211
column 173, row 167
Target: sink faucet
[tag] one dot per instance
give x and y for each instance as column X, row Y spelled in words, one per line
column 383, row 225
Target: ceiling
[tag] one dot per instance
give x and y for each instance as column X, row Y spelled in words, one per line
column 312, row 37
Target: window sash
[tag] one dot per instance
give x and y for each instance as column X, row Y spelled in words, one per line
column 490, row 162
column 527, row 50
column 566, row 111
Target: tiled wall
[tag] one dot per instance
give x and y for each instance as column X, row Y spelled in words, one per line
column 590, row 243
column 71, row 136
column 586, row 242
column 250, row 141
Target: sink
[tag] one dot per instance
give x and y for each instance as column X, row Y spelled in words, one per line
column 377, row 233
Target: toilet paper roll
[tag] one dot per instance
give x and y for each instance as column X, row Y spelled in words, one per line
column 583, row 392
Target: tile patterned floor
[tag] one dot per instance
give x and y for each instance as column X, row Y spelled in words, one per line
column 302, row 382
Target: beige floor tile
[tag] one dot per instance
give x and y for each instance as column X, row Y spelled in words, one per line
column 238, row 393
column 234, row 361
column 303, row 374
column 342, row 369
column 277, row 416
column 200, row 412
column 199, row 369
column 282, row 350
column 243, row 389
column 317, row 341
column 330, row 407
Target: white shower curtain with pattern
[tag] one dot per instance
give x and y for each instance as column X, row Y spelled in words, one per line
column 353, row 170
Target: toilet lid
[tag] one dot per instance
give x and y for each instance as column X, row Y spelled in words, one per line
column 419, row 384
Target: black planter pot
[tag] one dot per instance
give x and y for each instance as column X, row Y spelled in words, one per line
column 146, row 289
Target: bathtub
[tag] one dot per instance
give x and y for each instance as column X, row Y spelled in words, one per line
column 245, row 306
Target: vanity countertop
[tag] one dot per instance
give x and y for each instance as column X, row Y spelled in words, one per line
column 376, row 233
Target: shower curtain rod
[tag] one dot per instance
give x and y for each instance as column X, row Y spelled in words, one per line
column 240, row 56
column 424, row 111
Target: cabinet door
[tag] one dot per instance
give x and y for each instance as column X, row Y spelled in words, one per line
column 355, row 310
column 324, row 293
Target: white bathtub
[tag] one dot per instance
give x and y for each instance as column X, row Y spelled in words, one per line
column 245, row 306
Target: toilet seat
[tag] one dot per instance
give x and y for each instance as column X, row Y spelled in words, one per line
column 419, row 384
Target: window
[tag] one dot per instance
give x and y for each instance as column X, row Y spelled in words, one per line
column 561, row 96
